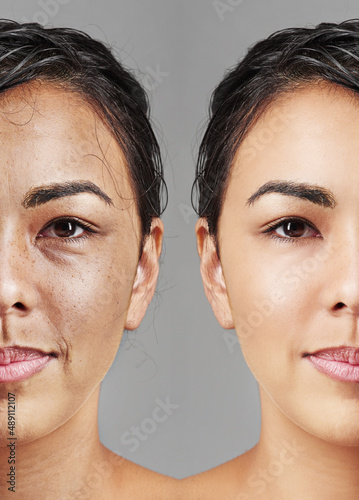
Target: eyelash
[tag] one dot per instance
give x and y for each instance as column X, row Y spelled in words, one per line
column 70, row 239
column 288, row 239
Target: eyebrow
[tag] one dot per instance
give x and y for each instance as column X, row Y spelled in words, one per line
column 42, row 194
column 315, row 194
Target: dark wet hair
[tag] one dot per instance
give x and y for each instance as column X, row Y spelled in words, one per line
column 286, row 60
column 78, row 63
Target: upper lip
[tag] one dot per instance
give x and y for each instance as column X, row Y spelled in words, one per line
column 345, row 354
column 15, row 354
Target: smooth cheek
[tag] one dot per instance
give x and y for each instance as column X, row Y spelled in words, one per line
column 268, row 303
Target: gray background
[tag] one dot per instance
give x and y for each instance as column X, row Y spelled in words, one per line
column 180, row 50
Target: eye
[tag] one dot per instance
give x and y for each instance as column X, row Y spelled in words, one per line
column 66, row 229
column 291, row 229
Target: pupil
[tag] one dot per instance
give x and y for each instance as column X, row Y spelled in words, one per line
column 294, row 228
column 64, row 228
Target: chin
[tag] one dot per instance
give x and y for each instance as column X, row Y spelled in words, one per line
column 344, row 437
column 23, row 434
column 338, row 431
column 33, row 421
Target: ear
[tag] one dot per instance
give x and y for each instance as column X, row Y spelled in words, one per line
column 146, row 276
column 212, row 275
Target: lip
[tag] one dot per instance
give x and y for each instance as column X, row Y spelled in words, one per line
column 20, row 363
column 340, row 363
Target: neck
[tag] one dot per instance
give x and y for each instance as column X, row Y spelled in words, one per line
column 288, row 462
column 63, row 463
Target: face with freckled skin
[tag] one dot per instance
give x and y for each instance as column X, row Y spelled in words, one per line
column 70, row 275
column 288, row 275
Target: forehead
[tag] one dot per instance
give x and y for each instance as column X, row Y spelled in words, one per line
column 308, row 134
column 37, row 106
column 50, row 134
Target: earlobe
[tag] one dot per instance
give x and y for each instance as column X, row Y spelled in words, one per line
column 212, row 275
column 146, row 276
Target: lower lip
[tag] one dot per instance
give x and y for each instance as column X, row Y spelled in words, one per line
column 21, row 370
column 337, row 370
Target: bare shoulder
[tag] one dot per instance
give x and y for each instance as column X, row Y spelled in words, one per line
column 131, row 481
column 226, row 481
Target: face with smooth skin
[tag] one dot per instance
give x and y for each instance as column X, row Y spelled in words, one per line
column 289, row 293
column 67, row 288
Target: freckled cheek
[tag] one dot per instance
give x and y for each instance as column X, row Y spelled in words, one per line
column 102, row 300
column 90, row 322
column 90, row 303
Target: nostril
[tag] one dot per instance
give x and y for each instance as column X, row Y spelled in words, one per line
column 339, row 305
column 20, row 306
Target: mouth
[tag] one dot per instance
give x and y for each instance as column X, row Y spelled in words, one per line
column 20, row 363
column 339, row 363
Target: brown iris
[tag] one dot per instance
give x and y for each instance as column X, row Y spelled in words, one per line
column 294, row 228
column 64, row 228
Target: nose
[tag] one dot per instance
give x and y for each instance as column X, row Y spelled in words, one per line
column 17, row 294
column 341, row 286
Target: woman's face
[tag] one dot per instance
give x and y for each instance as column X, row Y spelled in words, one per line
column 69, row 249
column 291, row 288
